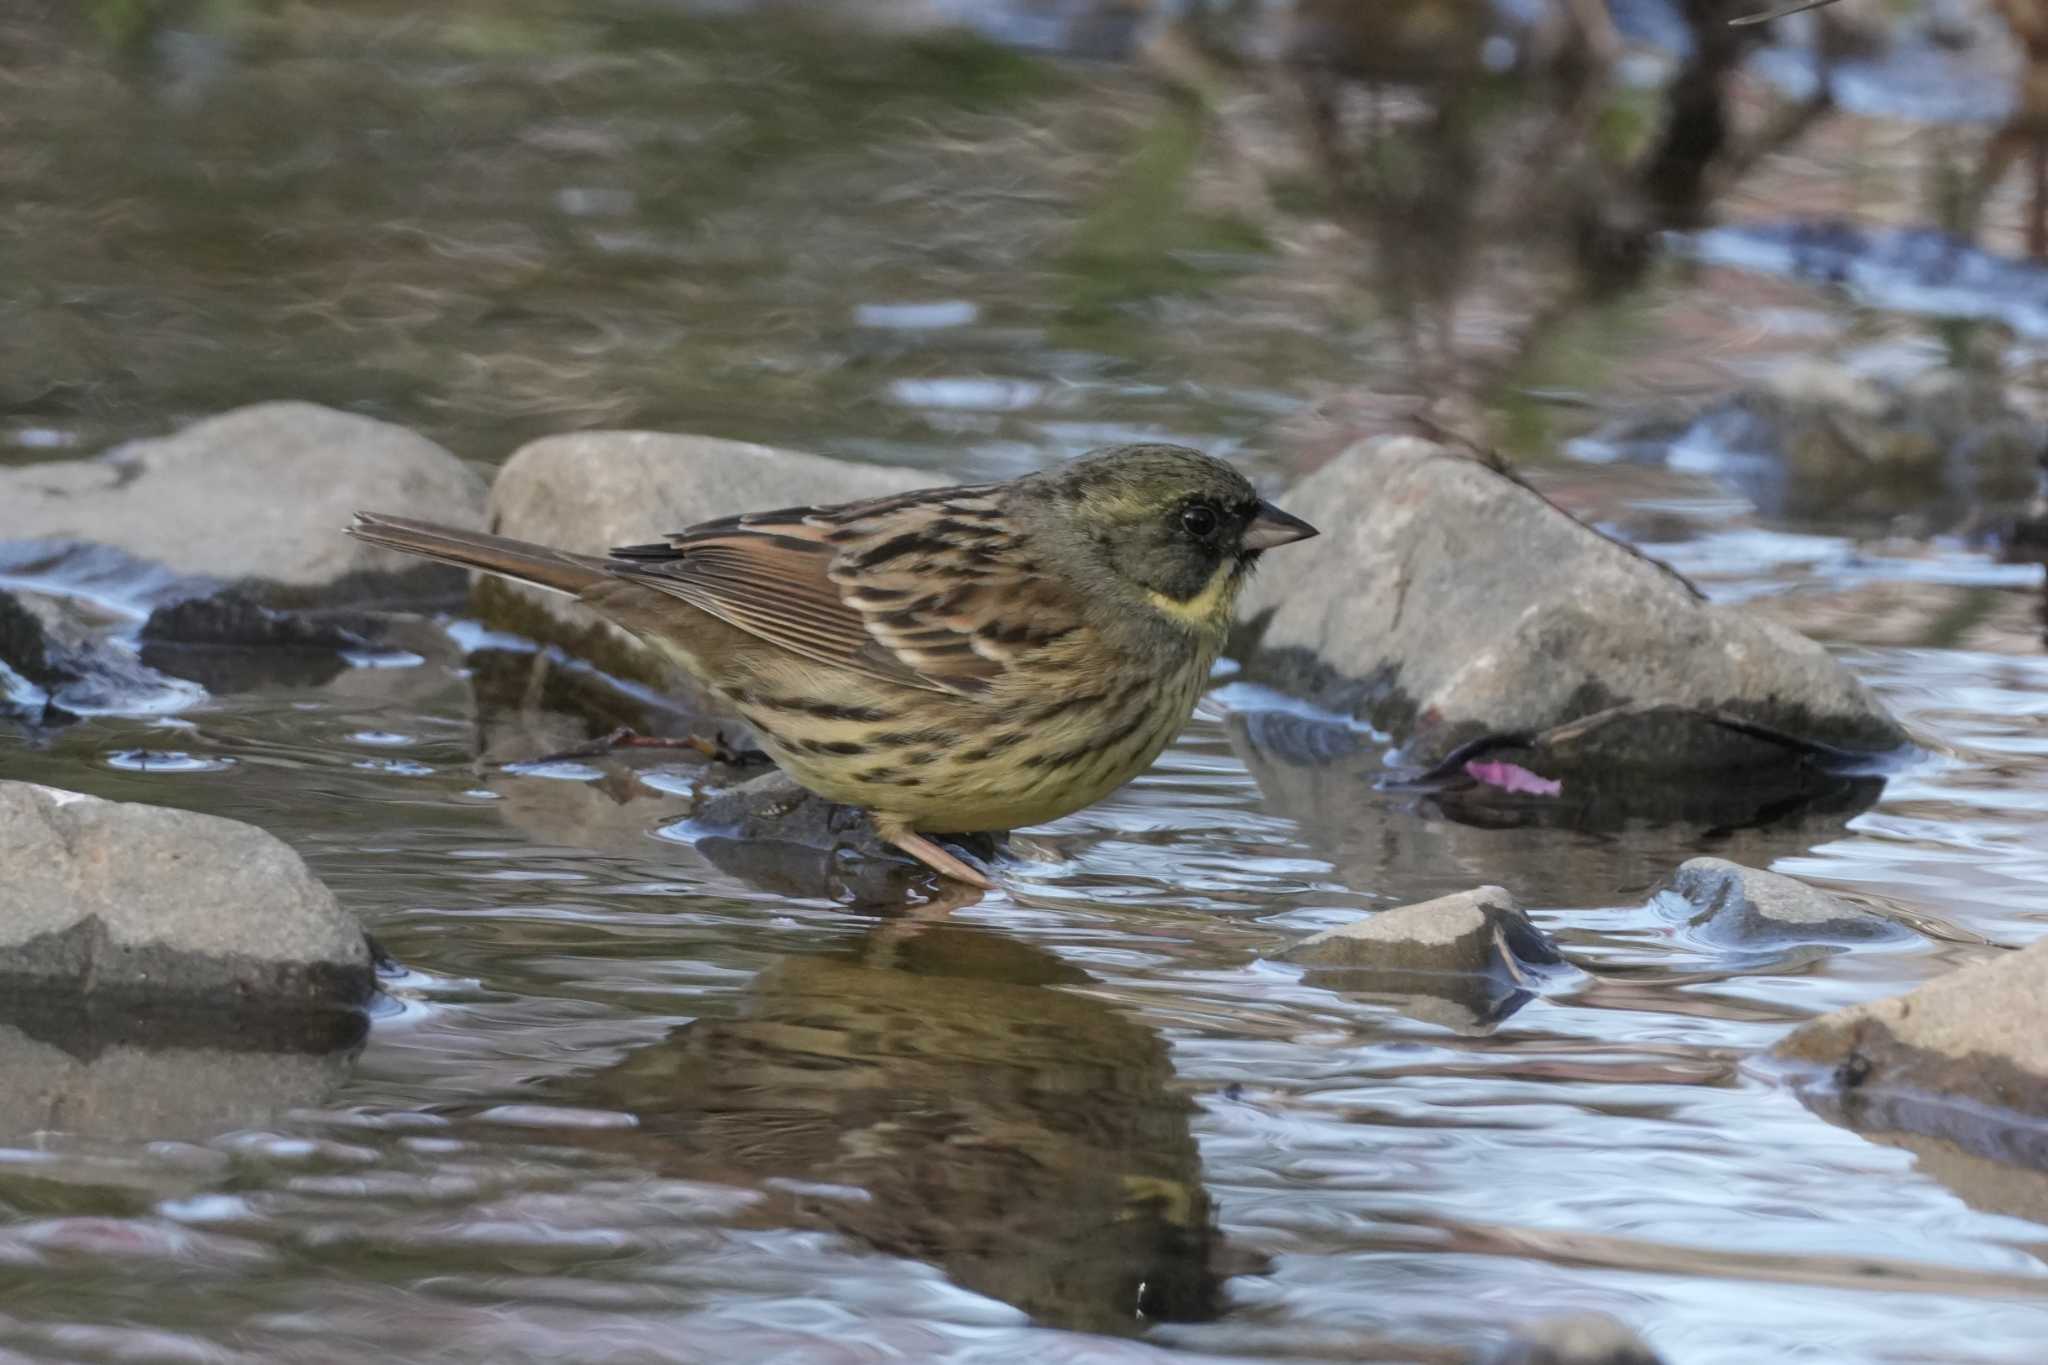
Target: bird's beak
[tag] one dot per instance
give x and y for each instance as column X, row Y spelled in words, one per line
column 1273, row 527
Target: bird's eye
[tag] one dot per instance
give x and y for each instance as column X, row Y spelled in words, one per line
column 1198, row 520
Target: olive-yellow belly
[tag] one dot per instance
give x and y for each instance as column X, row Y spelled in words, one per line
column 946, row 764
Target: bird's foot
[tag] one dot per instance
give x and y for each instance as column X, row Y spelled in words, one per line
column 938, row 859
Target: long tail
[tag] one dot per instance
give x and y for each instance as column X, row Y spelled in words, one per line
column 520, row 559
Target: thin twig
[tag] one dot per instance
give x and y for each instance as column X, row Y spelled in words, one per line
column 1798, row 7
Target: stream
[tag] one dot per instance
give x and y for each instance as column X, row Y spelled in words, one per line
column 624, row 1096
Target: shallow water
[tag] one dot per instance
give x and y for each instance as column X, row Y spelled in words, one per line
column 627, row 1100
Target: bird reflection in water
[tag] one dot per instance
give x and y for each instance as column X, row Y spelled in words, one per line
column 1025, row 1139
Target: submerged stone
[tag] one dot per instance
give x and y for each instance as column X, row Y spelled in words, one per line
column 1449, row 604
column 1743, row 907
column 1579, row 1339
column 110, row 899
column 774, row 834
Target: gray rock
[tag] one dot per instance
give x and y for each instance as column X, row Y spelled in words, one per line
column 1944, row 1059
column 1470, row 931
column 591, row 491
column 1466, row 961
column 261, row 492
column 1580, row 1339
column 1746, row 907
column 1448, row 602
column 108, row 898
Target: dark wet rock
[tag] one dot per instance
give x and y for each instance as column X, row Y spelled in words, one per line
column 235, row 619
column 1377, row 829
column 1962, row 1059
column 1745, row 907
column 1818, row 441
column 262, row 492
column 67, row 667
column 941, row 1092
column 1613, row 770
column 1465, row 960
column 25, row 645
column 1580, row 1339
column 774, row 834
column 1451, row 604
column 110, row 899
column 230, row 642
column 69, row 1066
column 590, row 491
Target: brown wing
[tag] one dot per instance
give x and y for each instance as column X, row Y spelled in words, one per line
column 929, row 589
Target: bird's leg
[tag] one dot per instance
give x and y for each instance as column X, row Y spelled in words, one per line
column 929, row 853
column 626, row 737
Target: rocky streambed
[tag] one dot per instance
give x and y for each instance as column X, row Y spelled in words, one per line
column 1594, row 915
column 641, row 1022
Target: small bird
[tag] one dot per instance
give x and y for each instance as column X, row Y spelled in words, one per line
column 950, row 660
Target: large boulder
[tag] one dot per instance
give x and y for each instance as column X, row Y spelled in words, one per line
column 591, row 491
column 262, row 492
column 110, row 899
column 1449, row 603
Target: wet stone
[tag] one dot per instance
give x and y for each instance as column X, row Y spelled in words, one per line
column 231, row 642
column 117, row 900
column 1963, row 1058
column 1465, row 960
column 235, row 619
column 1743, row 907
column 67, row 666
column 1663, row 764
column 25, row 645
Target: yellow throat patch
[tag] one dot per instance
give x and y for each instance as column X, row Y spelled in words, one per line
column 1209, row 609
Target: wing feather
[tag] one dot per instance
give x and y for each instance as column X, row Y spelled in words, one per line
column 933, row 589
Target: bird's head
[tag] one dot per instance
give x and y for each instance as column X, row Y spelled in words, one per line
column 1166, row 527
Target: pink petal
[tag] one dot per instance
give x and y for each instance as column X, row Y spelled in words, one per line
column 1512, row 777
